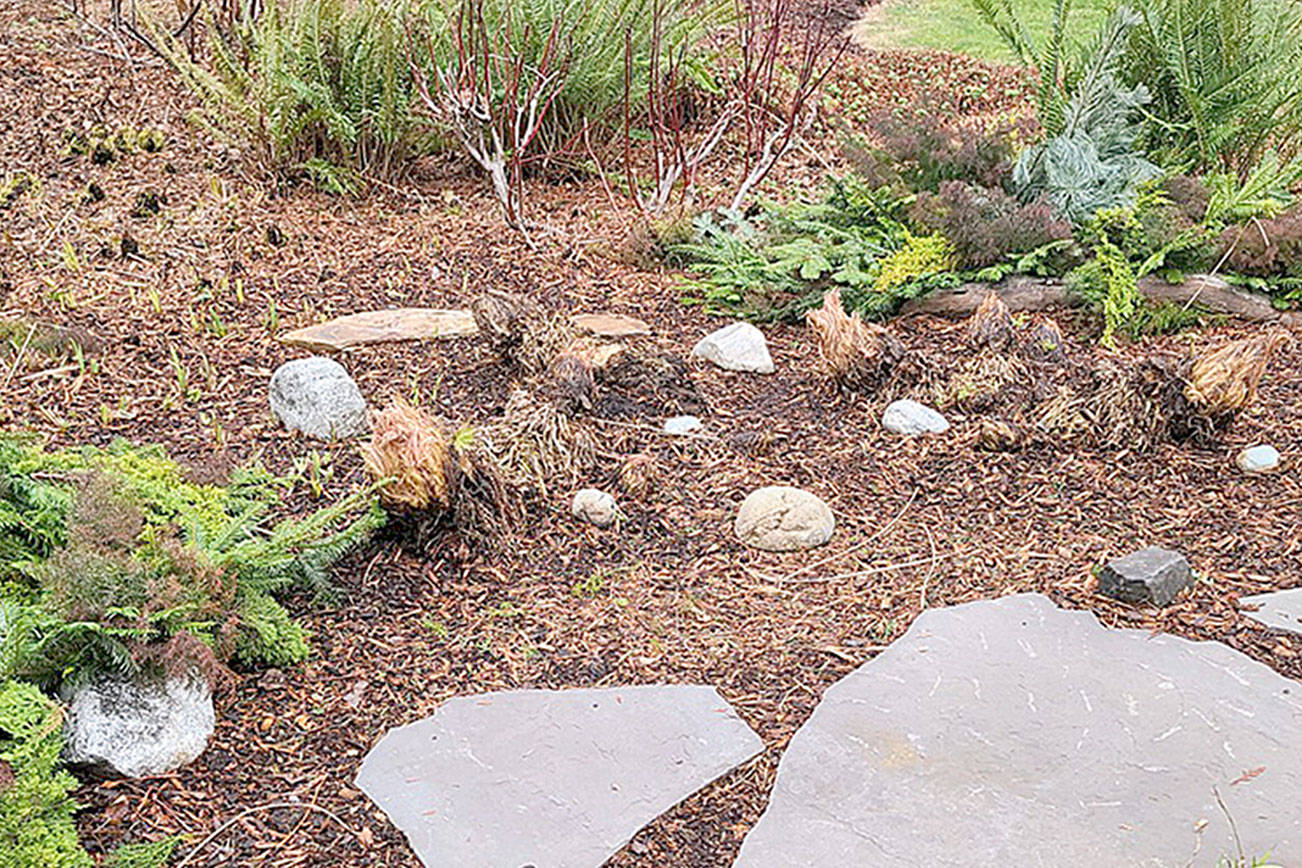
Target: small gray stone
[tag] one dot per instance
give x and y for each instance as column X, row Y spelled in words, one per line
column 1258, row 459
column 681, row 425
column 316, row 396
column 1281, row 610
column 119, row 728
column 911, row 418
column 595, row 506
column 550, row 778
column 1012, row 732
column 1153, row 575
column 738, row 347
column 779, row 518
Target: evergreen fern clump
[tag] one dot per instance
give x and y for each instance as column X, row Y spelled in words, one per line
column 135, row 566
column 36, row 804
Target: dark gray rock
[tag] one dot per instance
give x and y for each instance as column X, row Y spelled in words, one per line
column 316, row 396
column 738, row 347
column 779, row 518
column 1281, row 610
column 1011, row 732
column 1152, row 575
column 119, row 728
column 550, row 778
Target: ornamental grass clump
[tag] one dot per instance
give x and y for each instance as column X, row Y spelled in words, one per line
column 1224, row 382
column 856, row 354
column 409, row 456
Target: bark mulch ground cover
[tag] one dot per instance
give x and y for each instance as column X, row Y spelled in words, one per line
column 182, row 306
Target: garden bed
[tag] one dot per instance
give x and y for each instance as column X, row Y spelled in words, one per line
column 186, row 306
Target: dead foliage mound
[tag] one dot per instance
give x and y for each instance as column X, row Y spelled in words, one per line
column 646, row 382
column 1034, row 395
column 410, row 449
column 570, row 383
column 434, row 481
column 991, row 325
column 638, row 474
column 520, row 331
column 535, row 445
column 856, row 354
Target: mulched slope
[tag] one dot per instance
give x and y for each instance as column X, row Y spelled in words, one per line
column 666, row 597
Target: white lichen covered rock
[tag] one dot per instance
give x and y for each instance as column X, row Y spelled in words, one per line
column 316, row 396
column 779, row 518
column 130, row 729
column 738, row 347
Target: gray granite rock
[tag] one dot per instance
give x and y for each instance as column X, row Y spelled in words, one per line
column 595, row 506
column 119, row 728
column 738, row 347
column 1151, row 575
column 911, row 418
column 779, row 518
column 554, row 779
column 681, row 425
column 1281, row 610
column 1258, row 459
column 1011, row 732
column 316, row 396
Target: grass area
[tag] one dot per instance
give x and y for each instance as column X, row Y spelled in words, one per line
column 955, row 25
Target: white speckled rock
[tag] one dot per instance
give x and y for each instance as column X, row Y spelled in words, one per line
column 738, row 347
column 595, row 506
column 911, row 418
column 1258, row 459
column 316, row 396
column 780, row 518
column 118, row 728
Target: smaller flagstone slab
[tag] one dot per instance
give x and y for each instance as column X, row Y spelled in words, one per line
column 1281, row 610
column 553, row 779
column 383, row 326
column 611, row 325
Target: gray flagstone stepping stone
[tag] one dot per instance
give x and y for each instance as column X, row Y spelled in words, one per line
column 1281, row 610
column 1011, row 732
column 383, row 326
column 550, row 778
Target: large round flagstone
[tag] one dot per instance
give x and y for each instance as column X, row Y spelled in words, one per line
column 550, row 778
column 1011, row 732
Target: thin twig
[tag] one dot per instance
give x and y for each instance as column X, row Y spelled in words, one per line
column 19, row 358
column 264, row 807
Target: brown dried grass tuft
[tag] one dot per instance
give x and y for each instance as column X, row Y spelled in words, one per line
column 991, row 325
column 1224, row 381
column 410, row 449
column 856, row 354
column 981, row 381
column 1045, row 343
column 639, row 474
column 535, row 444
column 570, row 383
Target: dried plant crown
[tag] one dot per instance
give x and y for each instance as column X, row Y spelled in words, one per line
column 409, row 449
column 1225, row 381
column 854, row 353
column 991, row 325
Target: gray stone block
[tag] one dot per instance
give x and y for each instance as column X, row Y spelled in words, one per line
column 1153, row 575
column 316, row 396
column 1281, row 610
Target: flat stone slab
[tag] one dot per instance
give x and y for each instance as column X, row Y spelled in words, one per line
column 611, row 325
column 1011, row 732
column 383, row 326
column 1281, row 610
column 550, row 778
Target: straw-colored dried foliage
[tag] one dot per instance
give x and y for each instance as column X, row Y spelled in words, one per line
column 646, row 382
column 986, row 378
column 535, row 444
column 1000, row 435
column 410, row 449
column 638, row 474
column 520, row 331
column 856, row 354
column 1225, row 380
column 991, row 325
